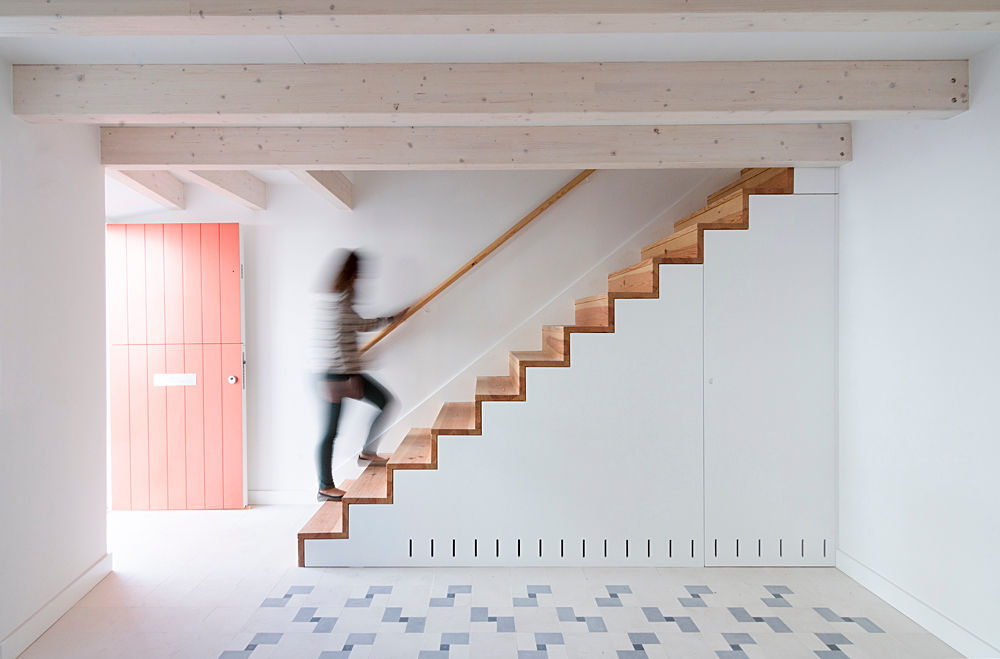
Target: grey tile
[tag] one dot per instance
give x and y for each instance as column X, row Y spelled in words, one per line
column 433, row 654
column 358, row 602
column 775, row 602
column 415, row 625
column 380, row 590
column 442, row 602
column 335, row 654
column 779, row 590
column 266, row 638
column 692, row 602
column 360, row 639
column 632, row 654
column 480, row 614
column 565, row 614
column 305, row 614
column 325, row 625
column 731, row 654
column 549, row 638
column 526, row 602
column 740, row 614
column 532, row 654
column 827, row 614
column 777, row 625
column 619, row 590
column 643, row 638
column 274, row 602
column 831, row 654
column 595, row 624
column 739, row 639
column 505, row 624
column 686, row 625
column 455, row 638
column 699, row 590
column 653, row 614
column 833, row 639
column 392, row 614
column 236, row 654
column 455, row 590
column 868, row 625
column 300, row 590
column 608, row 601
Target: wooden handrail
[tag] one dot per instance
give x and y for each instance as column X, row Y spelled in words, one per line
column 489, row 249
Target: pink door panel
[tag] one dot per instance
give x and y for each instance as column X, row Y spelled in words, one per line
column 175, row 325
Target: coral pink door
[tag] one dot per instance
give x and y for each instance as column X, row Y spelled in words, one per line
column 176, row 366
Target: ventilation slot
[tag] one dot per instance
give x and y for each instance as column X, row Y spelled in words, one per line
column 453, row 547
column 411, row 547
column 649, row 548
column 824, row 548
column 626, row 549
column 475, row 548
column 781, row 548
column 519, row 548
column 692, row 549
column 583, row 550
column 758, row 548
column 432, row 547
column 715, row 548
column 803, row 550
column 737, row 547
column 498, row 547
column 670, row 548
column 539, row 548
column 562, row 549
column 605, row 548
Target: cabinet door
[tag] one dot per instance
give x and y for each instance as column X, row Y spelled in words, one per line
column 770, row 325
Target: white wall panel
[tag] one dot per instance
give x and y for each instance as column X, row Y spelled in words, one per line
column 608, row 450
column 769, row 388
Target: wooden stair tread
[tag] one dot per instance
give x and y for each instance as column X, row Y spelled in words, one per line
column 328, row 522
column 594, row 311
column 537, row 357
column 372, row 486
column 496, row 387
column 456, row 419
column 771, row 180
column 416, row 451
column 679, row 242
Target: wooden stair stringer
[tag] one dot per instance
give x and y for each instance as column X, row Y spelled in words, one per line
column 638, row 281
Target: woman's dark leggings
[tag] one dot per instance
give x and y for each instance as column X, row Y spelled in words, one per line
column 372, row 392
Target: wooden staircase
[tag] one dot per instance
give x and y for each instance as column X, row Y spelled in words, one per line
column 726, row 209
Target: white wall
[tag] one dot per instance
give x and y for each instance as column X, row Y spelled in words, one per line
column 52, row 372
column 920, row 366
column 421, row 226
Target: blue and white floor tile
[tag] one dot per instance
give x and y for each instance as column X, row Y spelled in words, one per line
column 223, row 588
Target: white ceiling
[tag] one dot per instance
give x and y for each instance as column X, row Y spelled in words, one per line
column 495, row 48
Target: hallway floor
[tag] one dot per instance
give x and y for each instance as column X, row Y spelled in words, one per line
column 224, row 585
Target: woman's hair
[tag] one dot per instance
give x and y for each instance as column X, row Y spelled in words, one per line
column 348, row 273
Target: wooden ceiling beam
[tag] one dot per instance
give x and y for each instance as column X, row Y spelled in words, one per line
column 198, row 17
column 331, row 185
column 463, row 148
column 491, row 94
column 161, row 186
column 240, row 186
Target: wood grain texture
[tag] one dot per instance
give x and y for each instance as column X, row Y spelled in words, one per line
column 776, row 180
column 491, row 94
column 681, row 243
column 457, row 419
column 20, row 18
column 476, row 148
column 161, row 186
column 497, row 388
column 642, row 277
column 330, row 185
column 728, row 209
column 483, row 253
column 418, row 450
column 374, row 485
column 594, row 311
column 242, row 187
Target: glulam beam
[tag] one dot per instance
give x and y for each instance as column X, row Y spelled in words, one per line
column 491, row 94
column 290, row 17
column 464, row 148
column 162, row 186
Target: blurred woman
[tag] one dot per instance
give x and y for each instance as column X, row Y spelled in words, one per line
column 339, row 364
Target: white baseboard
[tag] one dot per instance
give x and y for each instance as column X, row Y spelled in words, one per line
column 280, row 497
column 924, row 615
column 32, row 628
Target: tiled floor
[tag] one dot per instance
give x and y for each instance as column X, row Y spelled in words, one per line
column 224, row 585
